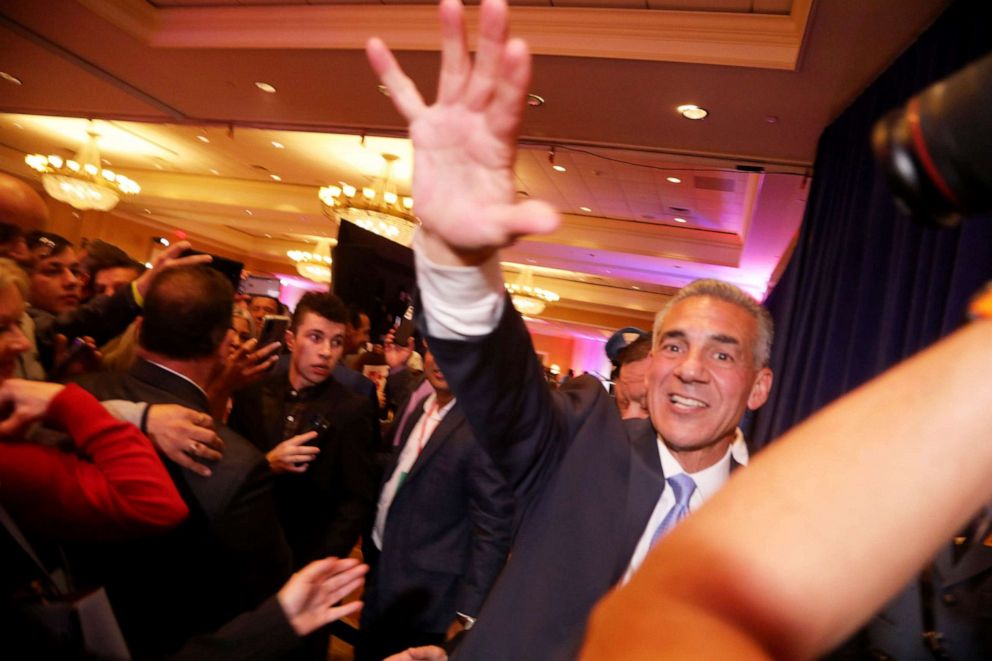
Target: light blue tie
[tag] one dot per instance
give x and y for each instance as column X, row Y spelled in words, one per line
column 684, row 487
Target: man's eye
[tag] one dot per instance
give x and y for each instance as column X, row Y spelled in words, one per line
column 671, row 348
column 723, row 356
column 337, row 342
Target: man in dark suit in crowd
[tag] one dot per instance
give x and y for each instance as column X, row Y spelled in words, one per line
column 595, row 491
column 443, row 526
column 230, row 554
column 317, row 435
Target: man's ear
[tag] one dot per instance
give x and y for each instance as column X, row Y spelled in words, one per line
column 290, row 339
column 760, row 389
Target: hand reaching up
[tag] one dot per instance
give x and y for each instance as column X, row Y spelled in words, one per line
column 465, row 144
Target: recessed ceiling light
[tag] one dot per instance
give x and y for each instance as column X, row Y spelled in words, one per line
column 674, row 180
column 275, row 177
column 278, row 145
column 105, row 161
column 203, row 138
column 268, row 236
column 158, row 166
column 18, row 126
column 148, row 210
column 249, row 212
column 636, row 287
column 559, row 168
column 531, row 261
column 692, row 111
column 213, row 171
column 535, row 101
column 771, row 119
column 586, row 209
column 10, row 79
column 681, row 220
column 266, row 87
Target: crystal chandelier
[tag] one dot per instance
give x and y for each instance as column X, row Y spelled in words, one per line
column 82, row 182
column 313, row 265
column 527, row 298
column 376, row 208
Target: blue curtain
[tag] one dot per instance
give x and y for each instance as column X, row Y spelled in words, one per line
column 866, row 286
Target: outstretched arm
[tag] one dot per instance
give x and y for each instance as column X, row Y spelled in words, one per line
column 862, row 494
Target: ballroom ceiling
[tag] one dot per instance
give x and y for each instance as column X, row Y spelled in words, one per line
column 650, row 200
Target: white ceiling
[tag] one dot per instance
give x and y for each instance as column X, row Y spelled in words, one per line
column 160, row 73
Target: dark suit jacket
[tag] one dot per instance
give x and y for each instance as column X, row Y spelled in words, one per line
column 326, row 509
column 446, row 536
column 586, row 482
column 226, row 558
column 961, row 605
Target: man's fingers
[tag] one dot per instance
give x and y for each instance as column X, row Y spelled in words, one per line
column 191, row 260
column 12, row 425
column 455, row 62
column 530, row 217
column 300, row 439
column 505, row 110
column 186, row 461
column 337, row 612
column 493, row 28
column 402, row 91
column 267, row 350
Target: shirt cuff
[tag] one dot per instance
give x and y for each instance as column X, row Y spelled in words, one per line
column 460, row 302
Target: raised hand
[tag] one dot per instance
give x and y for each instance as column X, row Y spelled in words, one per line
column 465, row 144
column 396, row 355
column 27, row 401
column 309, row 596
column 170, row 258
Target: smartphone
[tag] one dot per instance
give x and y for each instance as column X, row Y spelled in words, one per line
column 79, row 350
column 404, row 327
column 273, row 329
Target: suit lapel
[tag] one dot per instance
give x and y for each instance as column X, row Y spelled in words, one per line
column 411, row 422
column 445, row 429
column 644, row 486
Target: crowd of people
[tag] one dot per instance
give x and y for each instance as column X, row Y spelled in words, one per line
column 171, row 486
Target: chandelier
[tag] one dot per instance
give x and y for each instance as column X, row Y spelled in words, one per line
column 82, row 182
column 313, row 265
column 527, row 298
column 376, row 208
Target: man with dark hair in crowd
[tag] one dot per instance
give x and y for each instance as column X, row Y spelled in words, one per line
column 108, row 269
column 443, row 523
column 56, row 281
column 317, row 436
column 230, row 554
column 631, row 386
column 13, row 244
column 259, row 306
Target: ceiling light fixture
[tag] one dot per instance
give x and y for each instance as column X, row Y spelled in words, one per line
column 674, row 180
column 377, row 208
column 681, row 220
column 551, row 160
column 213, row 171
column 692, row 111
column 9, row 78
column 535, row 101
column 275, row 177
column 527, row 298
column 314, row 265
column 265, row 87
column 278, row 145
column 586, row 209
column 81, row 182
column 203, row 138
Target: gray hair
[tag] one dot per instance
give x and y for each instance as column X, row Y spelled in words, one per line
column 241, row 313
column 734, row 295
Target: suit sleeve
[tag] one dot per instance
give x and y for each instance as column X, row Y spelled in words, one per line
column 354, row 474
column 263, row 633
column 500, row 385
column 117, row 488
column 490, row 509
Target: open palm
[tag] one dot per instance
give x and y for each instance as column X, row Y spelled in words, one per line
column 465, row 144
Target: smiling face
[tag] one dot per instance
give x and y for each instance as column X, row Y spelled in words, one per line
column 703, row 377
column 12, row 340
column 317, row 345
column 55, row 282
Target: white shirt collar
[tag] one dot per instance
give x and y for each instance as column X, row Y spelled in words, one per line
column 709, row 480
column 181, row 376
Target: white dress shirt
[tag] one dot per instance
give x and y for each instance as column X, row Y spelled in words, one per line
column 708, row 482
